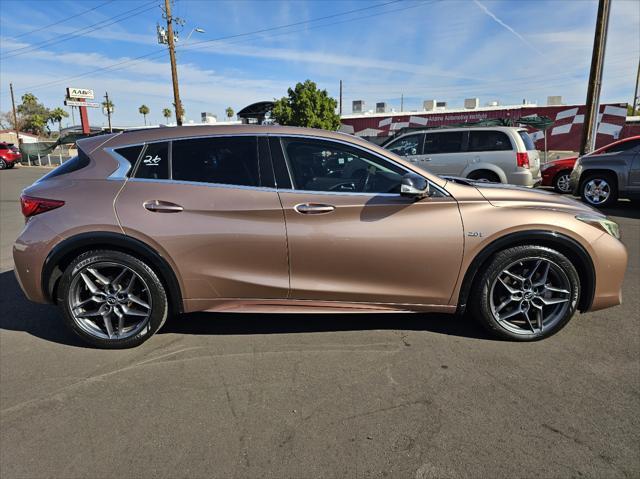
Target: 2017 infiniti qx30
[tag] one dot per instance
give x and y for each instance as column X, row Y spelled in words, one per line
column 146, row 224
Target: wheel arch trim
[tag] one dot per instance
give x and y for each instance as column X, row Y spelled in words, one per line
column 586, row 270
column 62, row 252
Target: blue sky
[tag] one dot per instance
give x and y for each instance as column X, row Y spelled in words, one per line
column 448, row 50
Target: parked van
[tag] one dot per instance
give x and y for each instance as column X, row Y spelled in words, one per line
column 496, row 154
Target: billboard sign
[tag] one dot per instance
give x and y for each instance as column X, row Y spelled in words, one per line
column 79, row 93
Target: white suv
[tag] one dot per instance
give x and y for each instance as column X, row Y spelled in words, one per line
column 498, row 154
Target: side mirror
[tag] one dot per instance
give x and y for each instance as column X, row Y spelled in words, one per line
column 414, row 186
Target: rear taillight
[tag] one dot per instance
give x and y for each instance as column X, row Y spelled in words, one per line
column 522, row 159
column 34, row 206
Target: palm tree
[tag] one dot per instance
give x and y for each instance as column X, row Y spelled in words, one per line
column 229, row 112
column 144, row 111
column 56, row 116
column 166, row 112
column 108, row 106
column 29, row 99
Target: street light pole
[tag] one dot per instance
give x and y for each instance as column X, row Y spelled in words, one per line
column 174, row 68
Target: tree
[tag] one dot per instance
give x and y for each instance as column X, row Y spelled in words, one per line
column 56, row 116
column 630, row 111
column 166, row 112
column 144, row 111
column 108, row 106
column 307, row 106
column 35, row 115
column 229, row 111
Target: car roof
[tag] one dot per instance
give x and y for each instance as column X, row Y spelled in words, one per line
column 464, row 128
column 133, row 137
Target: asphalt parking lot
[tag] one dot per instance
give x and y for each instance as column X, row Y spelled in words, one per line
column 220, row 395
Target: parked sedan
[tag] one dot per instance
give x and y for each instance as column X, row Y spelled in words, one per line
column 146, row 224
column 556, row 173
column 9, row 155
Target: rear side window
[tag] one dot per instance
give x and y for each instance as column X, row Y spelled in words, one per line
column 489, row 141
column 443, row 142
column 131, row 153
column 407, row 146
column 154, row 163
column 222, row 160
column 73, row 164
column 528, row 142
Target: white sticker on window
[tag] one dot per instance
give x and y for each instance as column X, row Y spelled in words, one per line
column 152, row 161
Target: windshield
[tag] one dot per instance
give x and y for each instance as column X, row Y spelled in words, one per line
column 528, row 142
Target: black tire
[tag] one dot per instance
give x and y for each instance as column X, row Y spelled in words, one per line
column 10, row 165
column 595, row 179
column 484, row 175
column 481, row 299
column 156, row 291
column 561, row 182
column 3, row 164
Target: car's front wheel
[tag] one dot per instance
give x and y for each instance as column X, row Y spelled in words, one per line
column 112, row 299
column 599, row 190
column 3, row 164
column 526, row 293
column 561, row 182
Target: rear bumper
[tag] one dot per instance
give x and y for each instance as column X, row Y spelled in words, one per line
column 524, row 178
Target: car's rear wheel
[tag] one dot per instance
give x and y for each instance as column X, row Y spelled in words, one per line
column 484, row 175
column 561, row 182
column 112, row 299
column 526, row 293
column 599, row 190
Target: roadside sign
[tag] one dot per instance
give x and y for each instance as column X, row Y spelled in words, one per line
column 80, row 93
column 82, row 103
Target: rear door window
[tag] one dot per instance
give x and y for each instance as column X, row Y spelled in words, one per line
column 443, row 142
column 221, row 160
column 489, row 141
column 73, row 164
column 154, row 163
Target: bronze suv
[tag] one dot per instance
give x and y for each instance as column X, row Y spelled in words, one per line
column 146, row 224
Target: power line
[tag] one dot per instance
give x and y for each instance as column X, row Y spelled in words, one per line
column 64, row 19
column 154, row 54
column 79, row 32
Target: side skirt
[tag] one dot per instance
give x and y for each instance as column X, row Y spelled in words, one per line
column 297, row 306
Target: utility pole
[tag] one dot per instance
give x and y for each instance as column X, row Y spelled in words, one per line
column 401, row 102
column 15, row 117
column 341, row 97
column 108, row 108
column 635, row 96
column 595, row 78
column 174, row 68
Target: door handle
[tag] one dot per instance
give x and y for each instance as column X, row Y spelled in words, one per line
column 426, row 159
column 313, row 208
column 158, row 206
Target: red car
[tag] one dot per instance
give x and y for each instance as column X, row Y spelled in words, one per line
column 556, row 173
column 9, row 155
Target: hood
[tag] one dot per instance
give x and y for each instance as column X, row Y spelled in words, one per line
column 508, row 195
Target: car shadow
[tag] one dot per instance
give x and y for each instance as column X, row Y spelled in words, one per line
column 44, row 321
column 624, row 209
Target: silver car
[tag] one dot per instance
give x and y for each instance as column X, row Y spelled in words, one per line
column 495, row 154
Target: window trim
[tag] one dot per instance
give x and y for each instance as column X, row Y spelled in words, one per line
column 125, row 168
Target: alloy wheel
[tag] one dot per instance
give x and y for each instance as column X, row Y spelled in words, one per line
column 530, row 295
column 109, row 300
column 597, row 191
column 563, row 183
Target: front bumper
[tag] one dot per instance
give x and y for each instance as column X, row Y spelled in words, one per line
column 610, row 263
